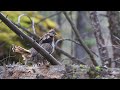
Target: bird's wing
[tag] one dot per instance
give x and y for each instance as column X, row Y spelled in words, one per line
column 48, row 47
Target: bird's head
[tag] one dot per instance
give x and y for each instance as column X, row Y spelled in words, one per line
column 52, row 32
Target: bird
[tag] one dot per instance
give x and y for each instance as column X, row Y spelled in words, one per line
column 46, row 41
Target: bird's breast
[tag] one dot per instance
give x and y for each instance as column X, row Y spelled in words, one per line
column 49, row 40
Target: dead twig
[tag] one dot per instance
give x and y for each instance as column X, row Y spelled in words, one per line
column 69, row 56
column 19, row 18
column 35, row 37
column 67, row 40
column 32, row 22
column 116, row 37
column 75, row 43
column 65, row 53
column 33, row 28
column 116, row 60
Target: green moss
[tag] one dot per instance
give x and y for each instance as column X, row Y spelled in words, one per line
column 81, row 66
column 98, row 76
column 74, row 76
column 98, row 68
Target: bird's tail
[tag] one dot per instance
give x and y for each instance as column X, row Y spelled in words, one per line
column 19, row 49
column 26, row 54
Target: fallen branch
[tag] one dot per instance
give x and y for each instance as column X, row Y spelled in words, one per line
column 34, row 44
column 80, row 40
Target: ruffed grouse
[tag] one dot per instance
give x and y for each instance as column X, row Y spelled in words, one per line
column 46, row 41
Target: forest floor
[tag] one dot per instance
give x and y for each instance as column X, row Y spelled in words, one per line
column 18, row 71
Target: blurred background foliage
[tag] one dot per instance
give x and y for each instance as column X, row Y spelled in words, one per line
column 8, row 37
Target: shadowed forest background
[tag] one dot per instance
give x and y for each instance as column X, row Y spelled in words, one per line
column 89, row 38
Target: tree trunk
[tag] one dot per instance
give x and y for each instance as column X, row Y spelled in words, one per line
column 103, row 51
column 114, row 27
